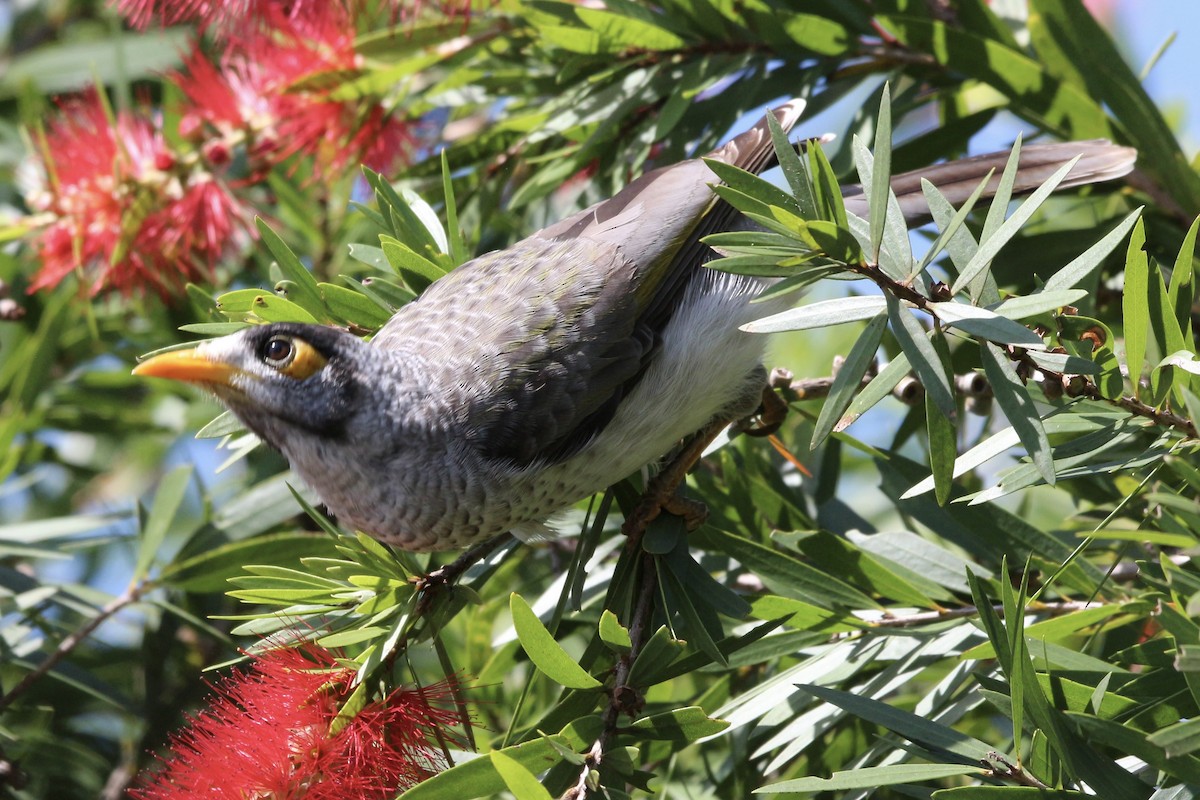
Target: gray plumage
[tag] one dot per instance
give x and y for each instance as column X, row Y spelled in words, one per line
column 533, row 376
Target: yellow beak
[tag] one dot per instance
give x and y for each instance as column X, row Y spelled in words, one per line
column 191, row 366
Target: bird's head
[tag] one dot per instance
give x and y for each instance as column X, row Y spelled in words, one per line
column 283, row 381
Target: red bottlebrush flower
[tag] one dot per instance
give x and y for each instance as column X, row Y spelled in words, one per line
column 266, row 735
column 267, row 87
column 231, row 15
column 227, row 14
column 117, row 208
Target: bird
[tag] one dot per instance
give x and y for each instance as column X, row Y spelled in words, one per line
column 531, row 377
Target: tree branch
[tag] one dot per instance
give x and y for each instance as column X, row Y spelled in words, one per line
column 132, row 594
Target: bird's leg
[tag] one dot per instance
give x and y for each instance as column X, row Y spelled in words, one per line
column 660, row 494
column 660, row 491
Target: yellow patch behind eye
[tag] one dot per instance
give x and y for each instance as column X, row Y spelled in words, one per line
column 307, row 361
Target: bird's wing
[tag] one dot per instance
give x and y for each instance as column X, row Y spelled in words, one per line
column 551, row 333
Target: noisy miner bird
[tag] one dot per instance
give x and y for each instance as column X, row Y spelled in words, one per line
column 531, row 377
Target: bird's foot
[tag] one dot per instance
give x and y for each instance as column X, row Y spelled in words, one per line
column 693, row 512
column 660, row 492
column 768, row 418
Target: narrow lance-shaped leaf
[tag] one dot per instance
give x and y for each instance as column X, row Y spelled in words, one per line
column 950, row 230
column 167, row 501
column 871, row 777
column 1090, row 259
column 992, row 245
column 893, row 252
column 942, row 449
column 984, row 283
column 1040, row 303
column 1135, row 308
column 301, row 286
column 457, row 247
column 879, row 387
column 849, row 378
column 924, row 357
column 795, row 171
column 961, row 247
column 819, row 315
column 881, row 170
column 985, row 324
column 1014, row 400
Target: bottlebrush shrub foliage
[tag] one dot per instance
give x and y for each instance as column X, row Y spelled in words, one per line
column 963, row 568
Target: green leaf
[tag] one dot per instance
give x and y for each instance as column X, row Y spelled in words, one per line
column 546, row 654
column 457, row 247
column 1104, row 74
column 872, row 777
column 924, row 357
column 881, row 170
column 262, row 305
column 1183, row 279
column 1011, row 226
column 701, row 621
column 1014, row 400
column 985, row 324
column 299, row 284
column 849, row 378
column 943, row 448
column 517, row 779
column 618, row 32
column 1057, row 106
column 167, row 501
column 680, row 725
column 416, row 270
column 787, row 576
column 1178, row 739
column 1093, row 257
column 1057, row 628
column 820, row 314
column 478, row 777
column 1008, row 793
column 613, row 633
column 949, row 225
column 657, row 655
column 880, row 387
column 1135, row 305
column 1044, row 301
column 794, row 169
column 214, row 328
column 930, row 735
column 353, row 307
column 860, row 568
column 819, row 34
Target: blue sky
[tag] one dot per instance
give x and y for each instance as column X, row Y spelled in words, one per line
column 1142, row 26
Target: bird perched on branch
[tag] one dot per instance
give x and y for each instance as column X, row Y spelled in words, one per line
column 531, row 377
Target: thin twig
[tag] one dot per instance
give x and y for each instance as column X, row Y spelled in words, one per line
column 132, row 594
column 623, row 698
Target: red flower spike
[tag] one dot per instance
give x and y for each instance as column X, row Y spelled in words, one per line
column 117, row 210
column 228, row 16
column 265, row 88
column 265, row 735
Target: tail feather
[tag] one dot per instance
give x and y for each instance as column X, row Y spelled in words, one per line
column 1100, row 160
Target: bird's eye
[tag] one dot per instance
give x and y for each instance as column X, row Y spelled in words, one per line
column 292, row 356
column 278, row 352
